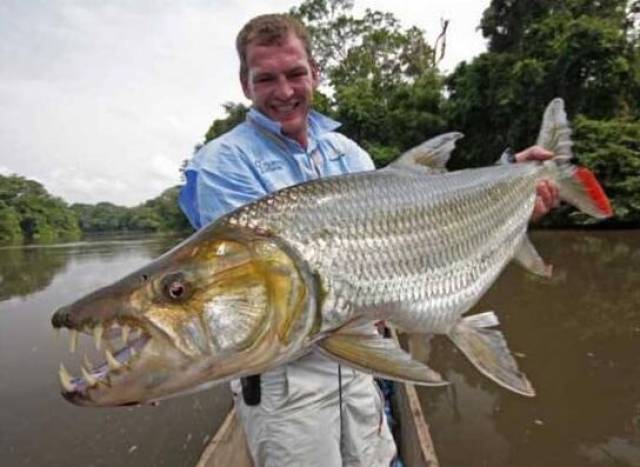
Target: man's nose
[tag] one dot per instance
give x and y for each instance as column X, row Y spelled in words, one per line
column 284, row 90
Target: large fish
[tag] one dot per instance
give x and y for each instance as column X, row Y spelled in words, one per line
column 312, row 265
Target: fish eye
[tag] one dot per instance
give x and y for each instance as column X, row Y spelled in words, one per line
column 175, row 287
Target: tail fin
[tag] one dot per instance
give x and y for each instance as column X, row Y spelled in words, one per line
column 578, row 186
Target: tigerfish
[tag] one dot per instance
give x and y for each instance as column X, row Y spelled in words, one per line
column 310, row 266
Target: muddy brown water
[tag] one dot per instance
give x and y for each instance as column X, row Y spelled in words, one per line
column 578, row 341
column 577, row 337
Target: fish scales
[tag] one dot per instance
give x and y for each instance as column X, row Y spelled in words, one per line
column 398, row 237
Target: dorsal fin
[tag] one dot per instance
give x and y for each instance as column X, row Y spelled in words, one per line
column 432, row 154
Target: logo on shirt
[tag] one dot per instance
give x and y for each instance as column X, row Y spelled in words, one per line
column 269, row 166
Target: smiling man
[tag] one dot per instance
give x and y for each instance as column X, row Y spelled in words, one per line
column 309, row 412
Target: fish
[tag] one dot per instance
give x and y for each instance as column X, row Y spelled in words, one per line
column 312, row 266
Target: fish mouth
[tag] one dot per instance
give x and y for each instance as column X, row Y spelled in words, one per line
column 117, row 345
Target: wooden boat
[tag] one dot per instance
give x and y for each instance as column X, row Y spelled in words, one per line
column 229, row 447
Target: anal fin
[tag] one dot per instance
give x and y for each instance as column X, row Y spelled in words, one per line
column 530, row 259
column 488, row 351
column 373, row 353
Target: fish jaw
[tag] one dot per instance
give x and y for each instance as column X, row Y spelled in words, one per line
column 227, row 302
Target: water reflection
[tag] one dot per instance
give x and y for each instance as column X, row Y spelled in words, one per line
column 578, row 337
column 37, row 427
column 24, row 271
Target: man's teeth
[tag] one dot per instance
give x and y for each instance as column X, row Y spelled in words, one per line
column 285, row 107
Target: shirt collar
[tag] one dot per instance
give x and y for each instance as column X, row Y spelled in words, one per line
column 318, row 123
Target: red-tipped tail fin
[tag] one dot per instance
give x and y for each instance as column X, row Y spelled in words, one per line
column 583, row 191
column 595, row 191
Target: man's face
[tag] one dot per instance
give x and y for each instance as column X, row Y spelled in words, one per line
column 280, row 82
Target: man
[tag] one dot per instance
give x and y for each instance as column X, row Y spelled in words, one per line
column 309, row 412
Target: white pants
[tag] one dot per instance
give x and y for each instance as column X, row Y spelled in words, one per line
column 297, row 422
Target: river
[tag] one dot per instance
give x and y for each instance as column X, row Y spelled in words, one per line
column 576, row 337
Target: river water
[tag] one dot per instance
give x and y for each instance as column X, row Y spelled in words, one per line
column 578, row 340
column 576, row 336
column 38, row 427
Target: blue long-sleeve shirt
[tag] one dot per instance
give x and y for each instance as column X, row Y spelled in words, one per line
column 255, row 159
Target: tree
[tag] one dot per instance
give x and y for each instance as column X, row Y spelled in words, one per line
column 585, row 52
column 10, row 231
column 41, row 217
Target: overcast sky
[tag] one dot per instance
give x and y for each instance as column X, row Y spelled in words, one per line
column 102, row 100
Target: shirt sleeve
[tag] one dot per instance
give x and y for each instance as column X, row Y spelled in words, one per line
column 217, row 181
column 359, row 159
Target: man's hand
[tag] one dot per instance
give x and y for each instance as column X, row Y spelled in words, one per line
column 547, row 195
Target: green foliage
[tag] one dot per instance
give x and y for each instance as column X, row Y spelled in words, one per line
column 10, row 231
column 585, row 52
column 166, row 210
column 101, row 217
column 236, row 113
column 612, row 150
column 40, row 216
column 160, row 214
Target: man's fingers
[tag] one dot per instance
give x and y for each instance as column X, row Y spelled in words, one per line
column 534, row 153
column 539, row 209
column 547, row 198
column 544, row 192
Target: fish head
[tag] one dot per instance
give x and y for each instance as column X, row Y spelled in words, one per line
column 225, row 303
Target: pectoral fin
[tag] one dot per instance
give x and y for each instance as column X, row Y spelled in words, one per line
column 530, row 259
column 488, row 351
column 381, row 356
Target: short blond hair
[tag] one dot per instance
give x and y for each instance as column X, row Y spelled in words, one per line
column 268, row 30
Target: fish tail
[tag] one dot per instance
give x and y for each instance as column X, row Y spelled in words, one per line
column 577, row 185
column 487, row 350
column 580, row 188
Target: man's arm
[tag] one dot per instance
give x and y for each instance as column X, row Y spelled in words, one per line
column 217, row 182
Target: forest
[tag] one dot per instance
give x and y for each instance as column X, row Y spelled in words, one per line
column 382, row 81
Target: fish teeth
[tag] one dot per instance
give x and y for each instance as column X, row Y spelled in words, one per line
column 73, row 341
column 91, row 380
column 114, row 364
column 97, row 336
column 65, row 379
column 87, row 363
column 125, row 333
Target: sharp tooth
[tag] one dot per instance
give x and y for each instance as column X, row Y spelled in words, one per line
column 65, row 379
column 87, row 377
column 97, row 336
column 87, row 362
column 132, row 352
column 111, row 360
column 125, row 333
column 73, row 341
